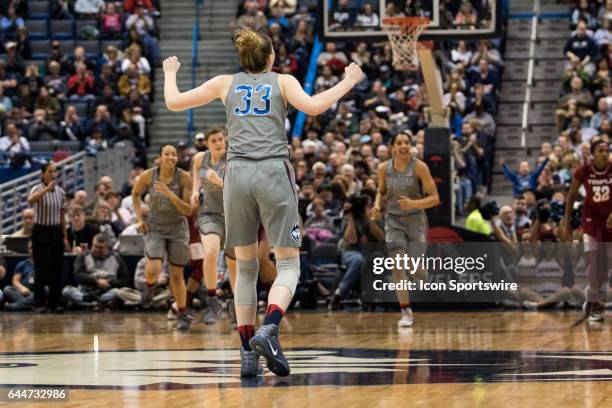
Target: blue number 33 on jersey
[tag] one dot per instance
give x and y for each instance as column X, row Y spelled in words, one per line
column 262, row 92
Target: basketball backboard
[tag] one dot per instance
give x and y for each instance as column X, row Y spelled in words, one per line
column 351, row 20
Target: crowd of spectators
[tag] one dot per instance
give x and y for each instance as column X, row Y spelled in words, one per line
column 531, row 226
column 338, row 152
column 583, row 112
column 96, row 99
column 337, row 155
column 94, row 225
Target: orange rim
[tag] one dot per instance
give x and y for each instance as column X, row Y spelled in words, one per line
column 405, row 22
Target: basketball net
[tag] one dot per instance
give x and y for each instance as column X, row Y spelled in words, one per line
column 403, row 33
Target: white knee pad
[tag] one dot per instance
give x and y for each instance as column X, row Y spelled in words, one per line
column 287, row 273
column 246, row 282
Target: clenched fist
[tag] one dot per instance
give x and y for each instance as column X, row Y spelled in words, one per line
column 354, row 72
column 171, row 65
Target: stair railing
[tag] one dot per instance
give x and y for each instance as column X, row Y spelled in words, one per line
column 194, row 66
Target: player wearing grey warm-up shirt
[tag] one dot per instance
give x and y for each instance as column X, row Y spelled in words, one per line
column 210, row 215
column 402, row 226
column 406, row 188
column 168, row 232
column 259, row 180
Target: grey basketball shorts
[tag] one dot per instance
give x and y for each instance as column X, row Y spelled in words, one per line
column 406, row 233
column 168, row 239
column 261, row 191
column 215, row 224
column 212, row 224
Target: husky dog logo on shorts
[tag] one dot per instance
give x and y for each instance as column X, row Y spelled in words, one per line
column 296, row 234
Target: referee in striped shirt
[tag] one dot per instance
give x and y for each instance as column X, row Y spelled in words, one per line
column 49, row 240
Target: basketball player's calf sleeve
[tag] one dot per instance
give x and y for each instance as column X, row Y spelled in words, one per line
column 246, row 282
column 287, row 273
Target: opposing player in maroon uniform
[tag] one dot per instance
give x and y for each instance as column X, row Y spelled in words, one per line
column 596, row 178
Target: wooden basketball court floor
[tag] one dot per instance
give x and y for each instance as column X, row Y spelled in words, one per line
column 340, row 359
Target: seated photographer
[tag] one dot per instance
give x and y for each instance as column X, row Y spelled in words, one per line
column 359, row 229
column 131, row 296
column 102, row 219
column 551, row 258
column 80, row 233
column 19, row 295
column 475, row 220
column 98, row 275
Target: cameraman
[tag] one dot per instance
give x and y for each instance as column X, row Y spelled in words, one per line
column 475, row 221
column 544, row 227
column 358, row 228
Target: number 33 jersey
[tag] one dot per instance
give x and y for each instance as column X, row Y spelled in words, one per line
column 256, row 113
column 598, row 186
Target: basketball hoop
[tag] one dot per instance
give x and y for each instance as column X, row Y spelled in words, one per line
column 403, row 33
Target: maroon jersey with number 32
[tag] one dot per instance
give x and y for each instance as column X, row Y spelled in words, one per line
column 598, row 186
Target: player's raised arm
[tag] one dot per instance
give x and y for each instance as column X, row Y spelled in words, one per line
column 205, row 93
column 313, row 105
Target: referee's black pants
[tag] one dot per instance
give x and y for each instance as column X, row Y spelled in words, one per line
column 48, row 256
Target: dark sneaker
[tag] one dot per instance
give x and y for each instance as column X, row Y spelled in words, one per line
column 146, row 297
column 597, row 312
column 56, row 310
column 265, row 343
column 249, row 363
column 334, row 303
column 211, row 310
column 183, row 322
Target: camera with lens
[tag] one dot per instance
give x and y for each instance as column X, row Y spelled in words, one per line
column 557, row 210
column 576, row 220
column 489, row 209
column 358, row 205
column 543, row 210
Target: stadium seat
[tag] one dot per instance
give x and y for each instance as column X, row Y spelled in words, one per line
column 38, row 146
column 40, row 49
column 501, row 185
column 62, row 29
column 67, row 46
column 553, row 28
column 38, row 10
column 80, row 24
column 324, row 263
column 71, row 145
column 48, row 146
column 332, row 240
column 38, row 29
